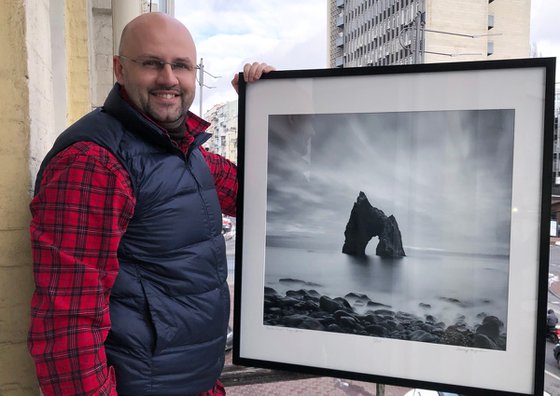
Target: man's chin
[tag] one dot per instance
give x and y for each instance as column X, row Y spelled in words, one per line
column 169, row 122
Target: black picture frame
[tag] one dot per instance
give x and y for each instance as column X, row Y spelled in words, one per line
column 461, row 154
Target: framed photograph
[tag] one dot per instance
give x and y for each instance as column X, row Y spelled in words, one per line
column 393, row 224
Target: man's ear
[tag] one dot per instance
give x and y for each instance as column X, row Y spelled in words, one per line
column 118, row 69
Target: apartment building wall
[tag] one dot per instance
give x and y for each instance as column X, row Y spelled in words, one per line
column 16, row 370
column 78, row 49
column 512, row 22
column 39, row 70
column 372, row 32
column 101, row 50
column 335, row 52
column 223, row 119
column 32, row 34
column 556, row 144
column 384, row 32
column 501, row 28
column 456, row 16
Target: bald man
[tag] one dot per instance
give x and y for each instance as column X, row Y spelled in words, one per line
column 129, row 261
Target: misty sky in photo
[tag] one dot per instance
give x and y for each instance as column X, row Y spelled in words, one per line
column 445, row 175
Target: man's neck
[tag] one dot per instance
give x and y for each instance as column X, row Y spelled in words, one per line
column 177, row 133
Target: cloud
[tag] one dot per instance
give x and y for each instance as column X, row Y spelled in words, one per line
column 545, row 31
column 286, row 34
column 544, row 20
column 291, row 34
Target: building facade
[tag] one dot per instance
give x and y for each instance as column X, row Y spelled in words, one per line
column 223, row 129
column 556, row 146
column 389, row 32
column 45, row 84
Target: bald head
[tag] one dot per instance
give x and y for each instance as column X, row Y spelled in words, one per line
column 150, row 24
column 156, row 66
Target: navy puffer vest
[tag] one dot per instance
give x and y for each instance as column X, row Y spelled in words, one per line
column 169, row 305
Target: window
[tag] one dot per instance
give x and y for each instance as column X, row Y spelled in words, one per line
column 490, row 49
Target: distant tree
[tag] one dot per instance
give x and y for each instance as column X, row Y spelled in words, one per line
column 534, row 51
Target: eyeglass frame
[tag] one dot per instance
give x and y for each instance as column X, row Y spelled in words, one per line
column 158, row 63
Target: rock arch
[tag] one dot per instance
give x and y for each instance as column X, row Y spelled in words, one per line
column 366, row 222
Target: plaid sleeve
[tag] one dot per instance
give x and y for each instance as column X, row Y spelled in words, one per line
column 217, row 390
column 78, row 217
column 225, row 177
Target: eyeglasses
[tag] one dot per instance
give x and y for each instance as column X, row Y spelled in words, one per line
column 154, row 64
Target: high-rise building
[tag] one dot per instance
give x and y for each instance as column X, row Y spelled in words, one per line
column 556, row 144
column 388, row 32
column 223, row 119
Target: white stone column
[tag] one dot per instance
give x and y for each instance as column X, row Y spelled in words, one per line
column 123, row 12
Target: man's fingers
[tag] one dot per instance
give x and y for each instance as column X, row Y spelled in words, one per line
column 235, row 82
column 254, row 71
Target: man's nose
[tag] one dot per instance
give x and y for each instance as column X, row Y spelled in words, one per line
column 167, row 75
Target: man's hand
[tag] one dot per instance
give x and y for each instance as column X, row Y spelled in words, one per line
column 251, row 72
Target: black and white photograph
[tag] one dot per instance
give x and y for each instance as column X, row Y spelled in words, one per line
column 391, row 225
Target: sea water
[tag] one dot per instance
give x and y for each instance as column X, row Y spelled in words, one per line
column 450, row 287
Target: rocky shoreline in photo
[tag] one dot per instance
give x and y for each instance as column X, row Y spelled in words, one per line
column 307, row 309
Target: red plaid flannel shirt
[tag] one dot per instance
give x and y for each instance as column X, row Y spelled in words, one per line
column 82, row 210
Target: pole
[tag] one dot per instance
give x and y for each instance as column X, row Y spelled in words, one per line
column 463, row 34
column 200, row 83
column 416, row 39
column 380, row 390
column 201, row 73
column 418, row 33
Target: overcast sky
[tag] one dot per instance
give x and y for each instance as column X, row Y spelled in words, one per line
column 287, row 34
column 291, row 34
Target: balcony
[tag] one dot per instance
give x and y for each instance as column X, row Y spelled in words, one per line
column 490, row 21
column 340, row 3
column 490, row 49
column 339, row 41
column 338, row 62
column 340, row 21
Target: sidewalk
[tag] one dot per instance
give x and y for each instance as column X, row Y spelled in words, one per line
column 316, row 386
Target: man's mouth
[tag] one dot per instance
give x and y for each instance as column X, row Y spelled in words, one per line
column 165, row 95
